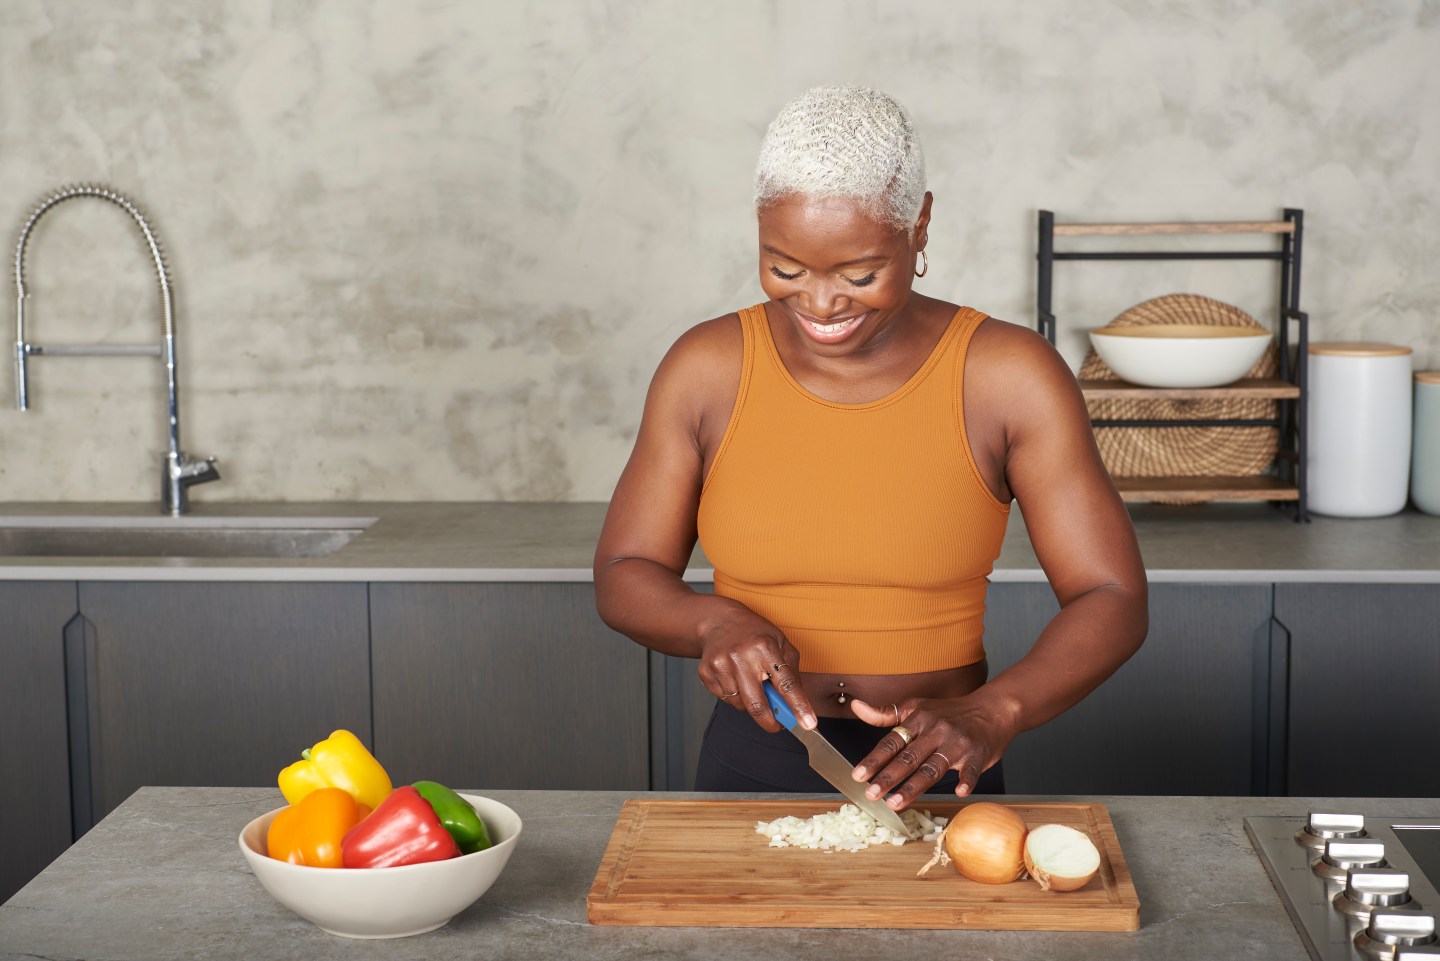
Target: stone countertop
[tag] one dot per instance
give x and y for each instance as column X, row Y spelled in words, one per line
column 1212, row 543
column 162, row 877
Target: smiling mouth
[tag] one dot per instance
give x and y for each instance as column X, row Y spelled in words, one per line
column 831, row 329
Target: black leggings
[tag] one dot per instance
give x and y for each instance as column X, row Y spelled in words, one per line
column 737, row 755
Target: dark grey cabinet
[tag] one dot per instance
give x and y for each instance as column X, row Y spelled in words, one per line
column 113, row 685
column 1180, row 717
column 35, row 824
column 1364, row 688
column 507, row 685
column 216, row 683
column 682, row 707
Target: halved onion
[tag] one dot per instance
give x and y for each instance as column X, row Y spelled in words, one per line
column 1060, row 858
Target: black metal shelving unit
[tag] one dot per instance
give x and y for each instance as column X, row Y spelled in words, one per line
column 1288, row 483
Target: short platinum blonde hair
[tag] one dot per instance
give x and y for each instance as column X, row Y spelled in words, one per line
column 845, row 141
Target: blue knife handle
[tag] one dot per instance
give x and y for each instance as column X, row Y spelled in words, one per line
column 778, row 707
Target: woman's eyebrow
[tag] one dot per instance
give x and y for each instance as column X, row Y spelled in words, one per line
column 868, row 258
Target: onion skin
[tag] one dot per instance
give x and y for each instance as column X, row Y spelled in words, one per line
column 986, row 843
column 1057, row 882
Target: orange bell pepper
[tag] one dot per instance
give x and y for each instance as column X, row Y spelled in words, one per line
column 310, row 832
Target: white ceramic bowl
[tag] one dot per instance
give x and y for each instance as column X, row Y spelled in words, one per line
column 385, row 902
column 1180, row 355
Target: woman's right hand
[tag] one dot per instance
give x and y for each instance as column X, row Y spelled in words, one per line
column 739, row 650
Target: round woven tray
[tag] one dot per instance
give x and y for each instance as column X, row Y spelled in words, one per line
column 1184, row 451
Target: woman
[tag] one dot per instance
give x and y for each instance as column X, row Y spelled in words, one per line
column 846, row 454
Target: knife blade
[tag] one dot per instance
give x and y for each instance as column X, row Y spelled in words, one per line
column 831, row 764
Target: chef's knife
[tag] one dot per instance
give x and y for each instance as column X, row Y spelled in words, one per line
column 831, row 764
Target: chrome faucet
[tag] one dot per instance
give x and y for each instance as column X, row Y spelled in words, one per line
column 178, row 472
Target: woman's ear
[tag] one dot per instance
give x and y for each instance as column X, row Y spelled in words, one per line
column 921, row 235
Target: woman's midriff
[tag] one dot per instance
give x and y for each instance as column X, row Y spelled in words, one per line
column 882, row 690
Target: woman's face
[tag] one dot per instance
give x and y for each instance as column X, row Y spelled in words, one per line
column 840, row 273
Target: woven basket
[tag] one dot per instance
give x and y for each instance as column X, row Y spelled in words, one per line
column 1184, row 451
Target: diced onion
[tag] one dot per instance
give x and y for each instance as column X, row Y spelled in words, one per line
column 848, row 829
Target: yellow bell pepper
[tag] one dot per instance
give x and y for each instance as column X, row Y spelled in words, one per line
column 338, row 761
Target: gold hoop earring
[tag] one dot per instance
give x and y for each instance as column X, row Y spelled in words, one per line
column 925, row 262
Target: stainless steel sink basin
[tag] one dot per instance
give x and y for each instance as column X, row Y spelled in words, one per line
column 177, row 537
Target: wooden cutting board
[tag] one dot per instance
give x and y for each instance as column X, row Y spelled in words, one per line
column 701, row 863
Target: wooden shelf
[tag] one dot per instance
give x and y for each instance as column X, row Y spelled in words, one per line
column 1259, row 388
column 1271, row 394
column 1153, row 229
column 1260, row 488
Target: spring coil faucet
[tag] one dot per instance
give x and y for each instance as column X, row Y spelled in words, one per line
column 178, row 472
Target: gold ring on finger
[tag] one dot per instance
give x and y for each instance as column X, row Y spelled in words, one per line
column 905, row 734
column 731, row 694
column 948, row 765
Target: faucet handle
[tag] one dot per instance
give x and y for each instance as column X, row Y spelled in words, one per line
column 200, row 471
column 189, row 471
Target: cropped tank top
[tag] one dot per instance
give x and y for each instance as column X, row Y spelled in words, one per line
column 865, row 532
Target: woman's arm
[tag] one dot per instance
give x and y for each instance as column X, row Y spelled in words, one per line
column 1086, row 545
column 650, row 532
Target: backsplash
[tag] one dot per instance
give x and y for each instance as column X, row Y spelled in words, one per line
column 434, row 250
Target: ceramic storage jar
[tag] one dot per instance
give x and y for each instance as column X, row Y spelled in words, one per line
column 1358, row 429
column 1425, row 449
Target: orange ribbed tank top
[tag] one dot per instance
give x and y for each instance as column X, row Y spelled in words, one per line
column 863, row 531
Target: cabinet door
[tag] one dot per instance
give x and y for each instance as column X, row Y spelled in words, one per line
column 34, row 749
column 218, row 683
column 1364, row 688
column 682, row 706
column 507, row 685
column 1177, row 718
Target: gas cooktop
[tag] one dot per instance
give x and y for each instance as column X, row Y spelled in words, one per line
column 1358, row 888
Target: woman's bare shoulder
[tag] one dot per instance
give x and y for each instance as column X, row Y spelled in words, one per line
column 709, row 341
column 708, row 354
column 1004, row 352
column 1015, row 376
column 699, row 377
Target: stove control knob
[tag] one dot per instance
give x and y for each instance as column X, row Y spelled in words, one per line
column 1323, row 826
column 1342, row 856
column 1368, row 889
column 1390, row 931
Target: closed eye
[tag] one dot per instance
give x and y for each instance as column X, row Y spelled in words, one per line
column 782, row 275
column 863, row 281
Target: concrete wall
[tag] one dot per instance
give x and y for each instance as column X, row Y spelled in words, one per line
column 432, row 250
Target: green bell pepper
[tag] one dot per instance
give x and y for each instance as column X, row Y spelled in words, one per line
column 456, row 815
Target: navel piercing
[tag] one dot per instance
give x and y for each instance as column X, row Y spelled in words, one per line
column 841, row 698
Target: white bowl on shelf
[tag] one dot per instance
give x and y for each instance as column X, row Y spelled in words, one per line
column 385, row 902
column 1180, row 355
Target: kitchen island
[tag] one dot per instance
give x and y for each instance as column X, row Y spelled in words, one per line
column 162, row 877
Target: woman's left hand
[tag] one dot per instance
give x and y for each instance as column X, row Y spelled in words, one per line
column 944, row 734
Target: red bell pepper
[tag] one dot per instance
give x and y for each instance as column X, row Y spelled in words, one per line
column 404, row 829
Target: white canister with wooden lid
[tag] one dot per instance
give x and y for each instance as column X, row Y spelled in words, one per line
column 1358, row 429
column 1425, row 449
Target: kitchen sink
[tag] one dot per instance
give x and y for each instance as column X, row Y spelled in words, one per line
column 177, row 537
